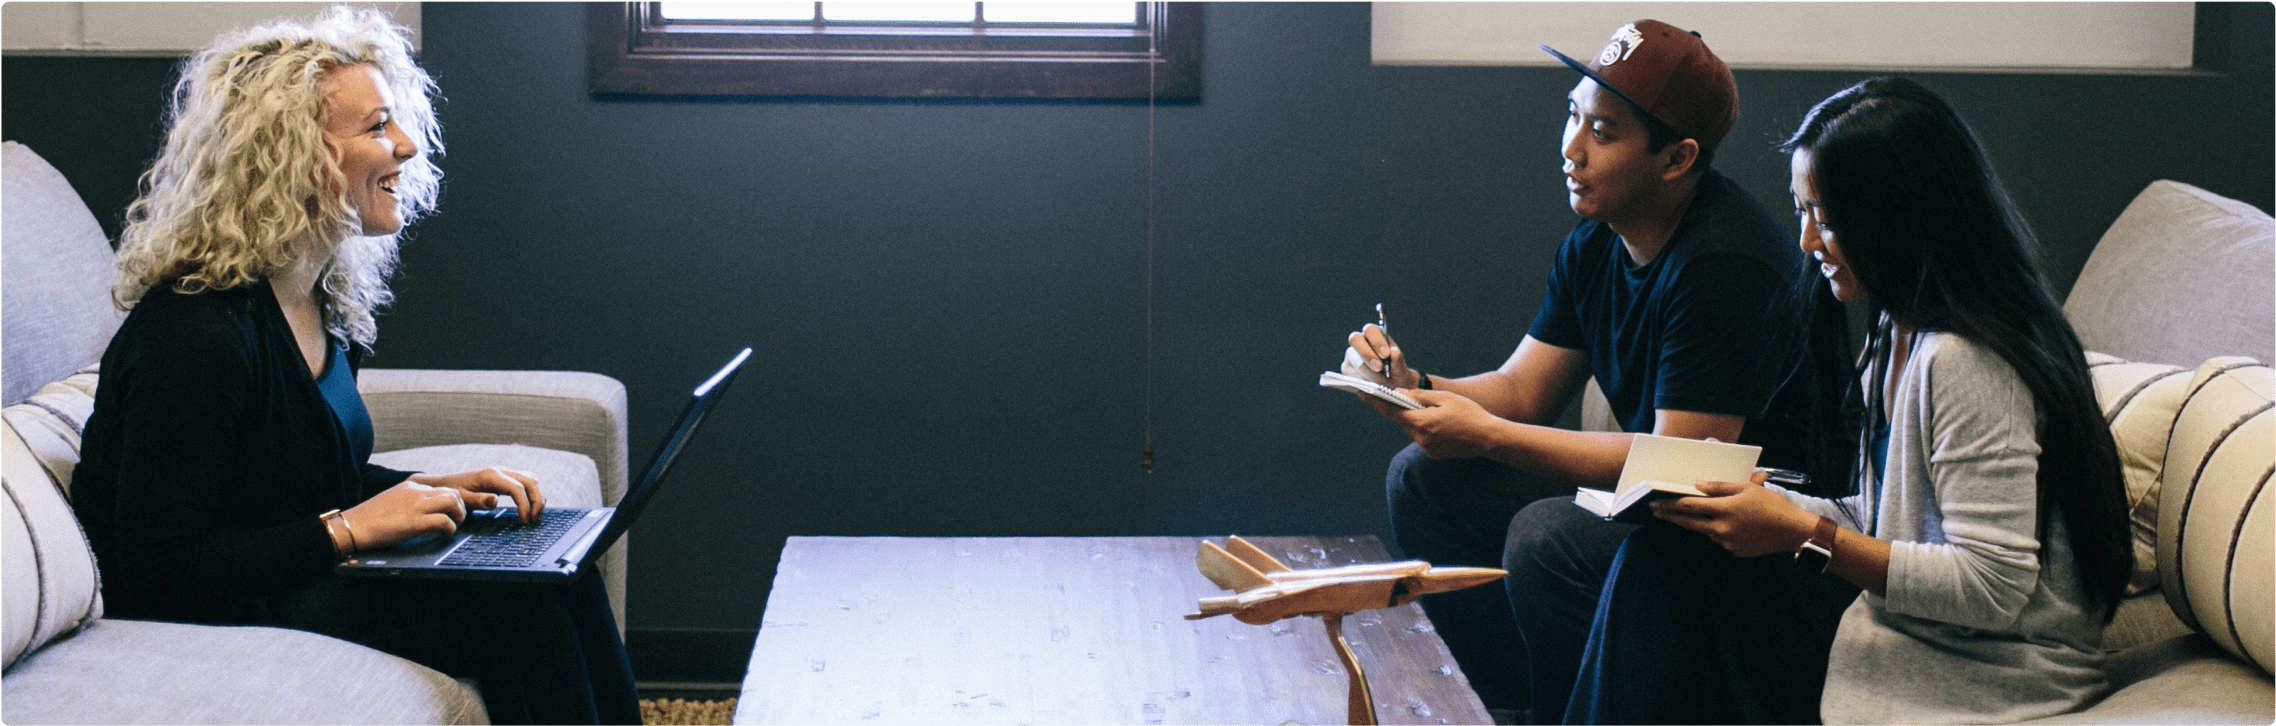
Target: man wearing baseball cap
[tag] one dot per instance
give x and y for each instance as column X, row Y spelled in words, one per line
column 1673, row 292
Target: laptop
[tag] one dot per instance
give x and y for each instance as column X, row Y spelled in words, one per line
column 493, row 544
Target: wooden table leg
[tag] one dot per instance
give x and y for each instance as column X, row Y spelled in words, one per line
column 1362, row 702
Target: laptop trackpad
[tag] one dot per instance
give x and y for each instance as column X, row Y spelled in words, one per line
column 422, row 544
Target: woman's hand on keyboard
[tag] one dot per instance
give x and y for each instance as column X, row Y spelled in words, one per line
column 483, row 487
column 404, row 511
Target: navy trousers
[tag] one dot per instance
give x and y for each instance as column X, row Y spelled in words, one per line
column 1456, row 513
column 1559, row 558
column 1686, row 633
column 541, row 654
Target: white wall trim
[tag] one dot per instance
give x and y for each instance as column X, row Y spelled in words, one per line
column 1882, row 36
column 150, row 28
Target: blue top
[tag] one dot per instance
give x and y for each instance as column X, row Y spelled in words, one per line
column 1880, row 452
column 1696, row 328
column 339, row 387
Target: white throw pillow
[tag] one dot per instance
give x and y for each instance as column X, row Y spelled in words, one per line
column 2214, row 533
column 52, row 420
column 52, row 587
column 2140, row 400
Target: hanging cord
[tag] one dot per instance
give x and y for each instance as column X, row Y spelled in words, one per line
column 1146, row 454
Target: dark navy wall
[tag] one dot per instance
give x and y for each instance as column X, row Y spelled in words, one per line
column 950, row 299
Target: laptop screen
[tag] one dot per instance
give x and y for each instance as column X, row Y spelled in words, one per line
column 644, row 488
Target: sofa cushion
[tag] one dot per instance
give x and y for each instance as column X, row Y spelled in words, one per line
column 2182, row 276
column 2183, row 680
column 2140, row 400
column 2141, row 620
column 2215, row 524
column 55, row 277
column 51, row 582
column 133, row 672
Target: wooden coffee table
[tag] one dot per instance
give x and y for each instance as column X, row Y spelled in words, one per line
column 1063, row 630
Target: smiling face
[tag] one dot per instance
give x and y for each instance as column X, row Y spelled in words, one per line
column 1817, row 239
column 1609, row 176
column 360, row 130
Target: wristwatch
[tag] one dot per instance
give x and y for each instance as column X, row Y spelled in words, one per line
column 1816, row 552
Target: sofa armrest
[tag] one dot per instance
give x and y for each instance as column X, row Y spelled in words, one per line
column 565, row 410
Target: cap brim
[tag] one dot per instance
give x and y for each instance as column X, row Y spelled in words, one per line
column 1593, row 75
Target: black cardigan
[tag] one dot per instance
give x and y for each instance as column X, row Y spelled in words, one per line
column 209, row 454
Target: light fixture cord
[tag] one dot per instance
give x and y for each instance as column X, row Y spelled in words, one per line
column 1146, row 454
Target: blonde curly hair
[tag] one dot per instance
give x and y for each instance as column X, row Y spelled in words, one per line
column 245, row 188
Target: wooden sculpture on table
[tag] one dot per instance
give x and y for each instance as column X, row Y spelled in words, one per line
column 1266, row 590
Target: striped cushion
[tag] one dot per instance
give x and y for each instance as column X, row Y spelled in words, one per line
column 2140, row 400
column 51, row 586
column 2214, row 538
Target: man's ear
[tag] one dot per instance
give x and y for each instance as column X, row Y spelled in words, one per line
column 1677, row 159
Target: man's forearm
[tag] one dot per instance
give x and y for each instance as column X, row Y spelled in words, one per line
column 1580, row 458
column 1501, row 396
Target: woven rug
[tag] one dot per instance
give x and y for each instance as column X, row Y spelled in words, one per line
column 660, row 711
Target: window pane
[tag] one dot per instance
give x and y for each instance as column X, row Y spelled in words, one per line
column 633, row 51
column 933, row 12
column 1060, row 12
column 700, row 10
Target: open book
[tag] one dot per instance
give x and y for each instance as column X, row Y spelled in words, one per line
column 1332, row 379
column 1660, row 467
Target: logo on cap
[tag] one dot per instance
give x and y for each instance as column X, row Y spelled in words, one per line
column 1624, row 42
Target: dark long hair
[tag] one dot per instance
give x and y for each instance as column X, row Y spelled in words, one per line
column 1937, row 244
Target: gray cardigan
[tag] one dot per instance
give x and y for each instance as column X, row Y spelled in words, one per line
column 1979, row 625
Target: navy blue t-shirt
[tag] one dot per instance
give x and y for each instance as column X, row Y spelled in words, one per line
column 1700, row 327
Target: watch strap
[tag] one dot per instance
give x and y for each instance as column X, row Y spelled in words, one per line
column 1816, row 553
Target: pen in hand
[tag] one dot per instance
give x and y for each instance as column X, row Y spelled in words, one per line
column 1385, row 326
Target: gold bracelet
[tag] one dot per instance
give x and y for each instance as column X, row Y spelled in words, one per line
column 338, row 553
column 353, row 546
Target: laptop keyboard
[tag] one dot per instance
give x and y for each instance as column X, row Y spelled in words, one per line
column 509, row 543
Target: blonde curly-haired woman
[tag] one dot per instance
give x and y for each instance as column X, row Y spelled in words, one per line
column 226, row 466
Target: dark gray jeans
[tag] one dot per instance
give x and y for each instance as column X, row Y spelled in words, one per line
column 1593, row 608
column 1464, row 512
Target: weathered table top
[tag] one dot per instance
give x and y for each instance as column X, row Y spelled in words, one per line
column 1020, row 630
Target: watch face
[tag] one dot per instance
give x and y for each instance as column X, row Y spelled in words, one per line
column 1813, row 557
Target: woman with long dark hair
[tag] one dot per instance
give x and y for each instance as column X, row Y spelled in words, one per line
column 1988, row 528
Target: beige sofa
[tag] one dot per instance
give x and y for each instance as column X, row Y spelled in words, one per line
column 66, row 663
column 2176, row 310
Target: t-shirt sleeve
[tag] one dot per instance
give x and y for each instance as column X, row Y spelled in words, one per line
column 1726, row 318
